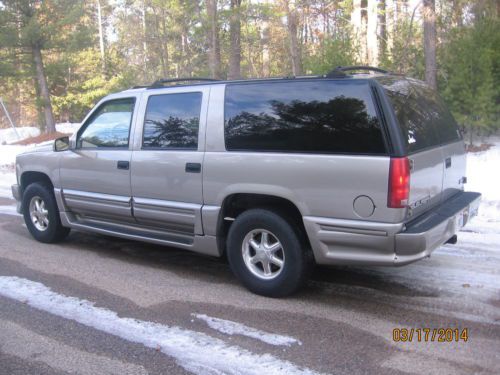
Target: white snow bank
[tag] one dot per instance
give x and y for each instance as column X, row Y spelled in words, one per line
column 483, row 172
column 229, row 327
column 483, row 176
column 194, row 351
column 8, row 135
column 68, row 127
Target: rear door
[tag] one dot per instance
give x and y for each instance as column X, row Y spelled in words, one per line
column 433, row 142
column 167, row 161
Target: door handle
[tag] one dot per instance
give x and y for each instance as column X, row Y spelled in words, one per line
column 193, row 167
column 447, row 162
column 123, row 164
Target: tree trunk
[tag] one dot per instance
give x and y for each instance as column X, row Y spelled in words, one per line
column 264, row 40
column 430, row 43
column 101, row 38
column 50, row 125
column 292, row 23
column 213, row 39
column 382, row 30
column 145, row 58
column 235, row 41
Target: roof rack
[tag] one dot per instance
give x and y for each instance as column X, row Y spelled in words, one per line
column 339, row 71
column 161, row 82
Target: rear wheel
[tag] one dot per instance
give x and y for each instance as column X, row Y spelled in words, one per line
column 266, row 253
column 41, row 214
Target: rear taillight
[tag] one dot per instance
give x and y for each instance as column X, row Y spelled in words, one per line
column 399, row 183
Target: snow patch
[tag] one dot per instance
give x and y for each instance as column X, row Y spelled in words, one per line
column 233, row 328
column 194, row 351
column 68, row 127
column 9, row 135
column 9, row 210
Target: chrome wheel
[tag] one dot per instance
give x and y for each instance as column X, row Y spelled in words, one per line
column 39, row 214
column 263, row 254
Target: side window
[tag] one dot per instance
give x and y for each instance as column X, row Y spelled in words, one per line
column 109, row 126
column 320, row 116
column 422, row 115
column 172, row 121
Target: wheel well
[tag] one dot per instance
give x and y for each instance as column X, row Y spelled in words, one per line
column 236, row 204
column 27, row 178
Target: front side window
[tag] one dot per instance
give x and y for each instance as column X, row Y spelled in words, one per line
column 319, row 116
column 172, row 121
column 109, row 126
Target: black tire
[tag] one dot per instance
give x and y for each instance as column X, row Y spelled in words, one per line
column 297, row 256
column 54, row 231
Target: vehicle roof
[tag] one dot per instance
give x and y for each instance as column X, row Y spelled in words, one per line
column 354, row 76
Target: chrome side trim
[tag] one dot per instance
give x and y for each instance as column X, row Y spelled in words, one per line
column 77, row 194
column 97, row 203
column 168, row 213
column 200, row 244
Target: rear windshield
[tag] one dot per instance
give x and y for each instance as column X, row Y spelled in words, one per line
column 424, row 119
column 319, row 116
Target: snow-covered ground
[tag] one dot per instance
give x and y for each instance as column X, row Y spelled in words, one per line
column 9, row 136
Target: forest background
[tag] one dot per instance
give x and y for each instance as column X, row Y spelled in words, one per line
column 59, row 57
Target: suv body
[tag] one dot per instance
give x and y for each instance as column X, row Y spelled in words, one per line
column 365, row 169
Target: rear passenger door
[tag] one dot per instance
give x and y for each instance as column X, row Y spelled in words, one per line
column 167, row 161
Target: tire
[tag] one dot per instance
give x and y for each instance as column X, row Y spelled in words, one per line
column 249, row 264
column 51, row 229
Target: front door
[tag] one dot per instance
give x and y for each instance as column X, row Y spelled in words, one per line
column 95, row 176
column 166, row 168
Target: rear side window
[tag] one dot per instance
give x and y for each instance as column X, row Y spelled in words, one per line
column 423, row 117
column 172, row 121
column 318, row 116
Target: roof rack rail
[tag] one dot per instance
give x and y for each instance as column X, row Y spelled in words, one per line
column 161, row 82
column 339, row 71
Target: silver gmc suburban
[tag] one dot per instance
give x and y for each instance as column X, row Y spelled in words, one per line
column 277, row 174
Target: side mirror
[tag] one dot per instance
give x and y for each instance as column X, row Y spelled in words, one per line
column 61, row 144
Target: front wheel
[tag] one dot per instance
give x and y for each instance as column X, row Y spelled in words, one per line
column 266, row 253
column 41, row 214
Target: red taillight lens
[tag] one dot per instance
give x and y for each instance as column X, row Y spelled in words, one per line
column 399, row 183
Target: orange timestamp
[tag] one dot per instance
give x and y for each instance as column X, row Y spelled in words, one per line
column 430, row 334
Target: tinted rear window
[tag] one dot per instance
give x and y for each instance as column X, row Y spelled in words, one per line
column 302, row 116
column 172, row 121
column 423, row 117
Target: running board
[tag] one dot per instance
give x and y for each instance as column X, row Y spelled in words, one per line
column 128, row 231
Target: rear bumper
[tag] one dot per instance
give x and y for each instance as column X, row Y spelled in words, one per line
column 356, row 242
column 422, row 236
